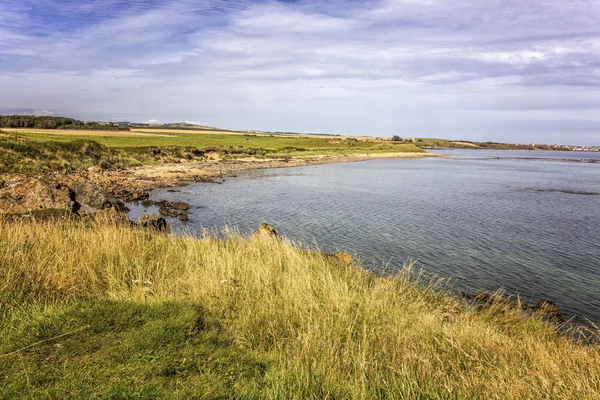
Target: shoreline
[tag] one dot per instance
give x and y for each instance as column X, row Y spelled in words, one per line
column 169, row 175
column 93, row 190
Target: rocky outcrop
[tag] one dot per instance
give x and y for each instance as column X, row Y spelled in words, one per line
column 265, row 231
column 168, row 208
column 22, row 193
column 153, row 222
column 544, row 308
column 344, row 257
column 81, row 193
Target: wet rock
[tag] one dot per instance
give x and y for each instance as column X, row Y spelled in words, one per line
column 264, row 231
column 180, row 205
column 183, row 217
column 129, row 196
column 147, row 203
column 117, row 205
column 153, row 222
column 174, row 213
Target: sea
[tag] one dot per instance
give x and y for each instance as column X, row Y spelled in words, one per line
column 524, row 222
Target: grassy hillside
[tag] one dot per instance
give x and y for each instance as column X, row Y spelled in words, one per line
column 26, row 151
column 108, row 311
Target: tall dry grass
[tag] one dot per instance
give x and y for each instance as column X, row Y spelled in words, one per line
column 327, row 323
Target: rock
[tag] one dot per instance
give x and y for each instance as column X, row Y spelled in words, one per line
column 117, row 205
column 110, row 214
column 549, row 309
column 264, row 231
column 22, row 193
column 147, row 203
column 154, row 222
column 344, row 257
column 183, row 217
column 94, row 170
column 85, row 193
column 180, row 205
column 169, row 212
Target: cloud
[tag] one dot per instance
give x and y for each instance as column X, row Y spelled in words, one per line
column 430, row 67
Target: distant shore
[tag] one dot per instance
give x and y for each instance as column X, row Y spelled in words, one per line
column 93, row 188
column 165, row 175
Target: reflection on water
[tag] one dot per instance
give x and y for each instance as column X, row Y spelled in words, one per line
column 528, row 226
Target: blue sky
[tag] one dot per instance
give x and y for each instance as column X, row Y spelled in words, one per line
column 501, row 70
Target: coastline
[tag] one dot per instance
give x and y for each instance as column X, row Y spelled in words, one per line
column 168, row 175
column 95, row 189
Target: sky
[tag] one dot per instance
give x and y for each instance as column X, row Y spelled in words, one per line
column 494, row 70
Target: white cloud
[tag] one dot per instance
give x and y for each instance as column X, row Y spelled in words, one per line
column 429, row 67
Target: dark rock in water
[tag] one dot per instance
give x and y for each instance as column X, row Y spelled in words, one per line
column 173, row 191
column 167, row 212
column 118, row 205
column 170, row 212
column 183, row 217
column 147, row 203
column 180, row 205
column 265, row 230
column 154, row 222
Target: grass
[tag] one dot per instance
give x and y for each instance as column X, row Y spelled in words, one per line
column 18, row 154
column 30, row 152
column 103, row 310
column 207, row 141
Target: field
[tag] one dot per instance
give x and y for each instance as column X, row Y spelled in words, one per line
column 103, row 310
column 276, row 145
column 27, row 151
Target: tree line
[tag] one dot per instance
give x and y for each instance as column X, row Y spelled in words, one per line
column 45, row 122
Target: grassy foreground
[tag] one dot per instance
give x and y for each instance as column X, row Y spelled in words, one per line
column 108, row 311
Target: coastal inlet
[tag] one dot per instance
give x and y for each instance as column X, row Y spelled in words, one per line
column 514, row 220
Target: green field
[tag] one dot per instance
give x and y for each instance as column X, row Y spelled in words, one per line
column 201, row 140
column 30, row 151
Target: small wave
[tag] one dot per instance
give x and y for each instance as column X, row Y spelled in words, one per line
column 563, row 191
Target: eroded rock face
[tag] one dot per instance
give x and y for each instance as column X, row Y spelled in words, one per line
column 88, row 195
column 21, row 193
column 80, row 193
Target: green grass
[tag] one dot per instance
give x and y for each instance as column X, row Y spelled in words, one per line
column 18, row 154
column 197, row 140
column 124, row 349
column 103, row 310
column 29, row 152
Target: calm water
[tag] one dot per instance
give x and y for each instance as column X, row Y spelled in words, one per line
column 528, row 222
